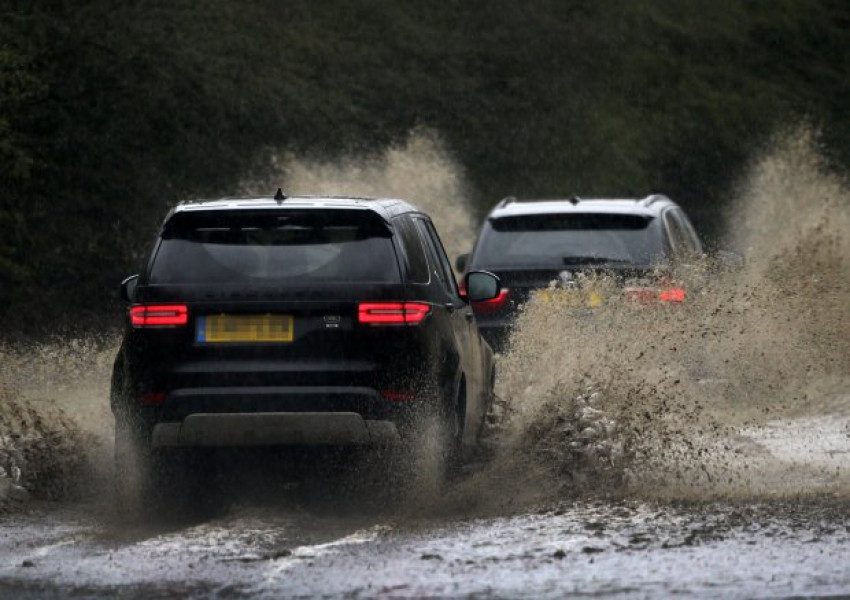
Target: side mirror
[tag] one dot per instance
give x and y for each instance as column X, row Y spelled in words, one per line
column 128, row 288
column 481, row 286
column 461, row 262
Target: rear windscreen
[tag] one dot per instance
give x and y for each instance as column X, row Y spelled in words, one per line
column 276, row 246
column 552, row 240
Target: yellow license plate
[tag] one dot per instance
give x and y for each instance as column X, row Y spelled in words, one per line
column 215, row 329
column 570, row 298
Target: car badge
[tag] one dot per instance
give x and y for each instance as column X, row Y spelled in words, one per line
column 332, row 321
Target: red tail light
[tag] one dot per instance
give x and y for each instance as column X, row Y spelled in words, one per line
column 493, row 305
column 153, row 398
column 392, row 313
column 651, row 295
column 398, row 395
column 672, row 295
column 159, row 315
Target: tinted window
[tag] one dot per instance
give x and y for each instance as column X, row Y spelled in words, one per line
column 566, row 239
column 415, row 263
column 446, row 266
column 682, row 237
column 693, row 238
column 434, row 262
column 275, row 246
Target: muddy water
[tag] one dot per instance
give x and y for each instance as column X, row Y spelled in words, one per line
column 420, row 171
column 586, row 547
column 54, row 419
column 652, row 399
column 701, row 449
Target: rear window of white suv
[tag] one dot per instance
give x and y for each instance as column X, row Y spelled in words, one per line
column 551, row 240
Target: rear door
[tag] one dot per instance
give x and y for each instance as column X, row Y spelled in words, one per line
column 272, row 299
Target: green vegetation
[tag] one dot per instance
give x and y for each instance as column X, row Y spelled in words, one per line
column 110, row 111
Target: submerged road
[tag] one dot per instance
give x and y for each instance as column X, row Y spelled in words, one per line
column 778, row 548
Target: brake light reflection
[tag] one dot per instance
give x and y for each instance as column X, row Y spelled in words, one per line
column 651, row 296
column 493, row 305
column 153, row 398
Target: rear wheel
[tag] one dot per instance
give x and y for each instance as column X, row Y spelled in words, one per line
column 133, row 470
column 434, row 450
column 451, row 431
column 489, row 417
column 161, row 484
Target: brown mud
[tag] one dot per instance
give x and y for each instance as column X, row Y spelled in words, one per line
column 54, row 424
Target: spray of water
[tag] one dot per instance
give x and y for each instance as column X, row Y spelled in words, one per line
column 660, row 401
column 672, row 400
column 55, row 422
column 420, row 171
column 54, row 418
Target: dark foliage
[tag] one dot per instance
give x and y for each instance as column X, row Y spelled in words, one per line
column 110, row 111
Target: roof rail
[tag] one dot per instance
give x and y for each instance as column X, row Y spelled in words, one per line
column 507, row 200
column 652, row 199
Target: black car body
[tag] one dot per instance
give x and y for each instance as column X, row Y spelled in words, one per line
column 531, row 243
column 308, row 321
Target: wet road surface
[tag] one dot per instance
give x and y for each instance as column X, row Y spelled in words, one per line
column 581, row 549
column 771, row 548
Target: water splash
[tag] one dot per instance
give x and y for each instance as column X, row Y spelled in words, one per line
column 670, row 400
column 626, row 399
column 419, row 170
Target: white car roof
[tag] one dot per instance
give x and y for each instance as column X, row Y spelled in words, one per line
column 650, row 206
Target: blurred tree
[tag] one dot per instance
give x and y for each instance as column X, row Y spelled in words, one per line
column 110, row 111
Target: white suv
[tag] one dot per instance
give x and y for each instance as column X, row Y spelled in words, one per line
column 529, row 243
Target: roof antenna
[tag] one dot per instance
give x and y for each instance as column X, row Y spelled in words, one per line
column 575, row 200
column 280, row 196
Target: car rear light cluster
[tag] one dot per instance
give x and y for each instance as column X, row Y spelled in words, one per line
column 392, row 313
column 494, row 305
column 159, row 315
column 398, row 395
column 672, row 295
column 652, row 295
column 152, row 398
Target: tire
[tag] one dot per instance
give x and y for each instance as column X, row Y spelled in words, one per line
column 161, row 484
column 431, row 455
column 133, row 471
column 451, row 430
column 489, row 401
column 417, row 468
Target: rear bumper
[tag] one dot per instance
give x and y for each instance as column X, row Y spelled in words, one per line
column 274, row 429
column 180, row 404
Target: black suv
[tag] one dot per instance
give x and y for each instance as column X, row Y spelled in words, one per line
column 304, row 321
column 531, row 243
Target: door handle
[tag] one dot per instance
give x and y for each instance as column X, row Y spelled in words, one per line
column 450, row 307
column 469, row 315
